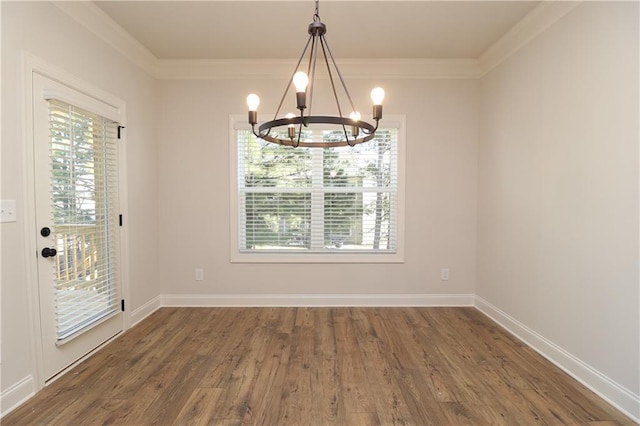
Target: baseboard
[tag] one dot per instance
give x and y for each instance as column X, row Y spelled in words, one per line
column 15, row 395
column 275, row 300
column 618, row 396
column 145, row 310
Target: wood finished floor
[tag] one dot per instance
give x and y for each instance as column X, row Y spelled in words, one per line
column 316, row 366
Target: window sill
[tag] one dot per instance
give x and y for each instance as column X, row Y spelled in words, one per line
column 340, row 257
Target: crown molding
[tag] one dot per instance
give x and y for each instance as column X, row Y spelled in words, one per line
column 533, row 24
column 96, row 21
column 350, row 68
column 99, row 23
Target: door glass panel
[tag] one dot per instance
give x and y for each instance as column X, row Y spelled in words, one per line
column 84, row 208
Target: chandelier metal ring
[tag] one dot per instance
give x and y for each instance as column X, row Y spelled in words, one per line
column 265, row 129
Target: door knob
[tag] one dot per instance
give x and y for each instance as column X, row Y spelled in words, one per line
column 49, row 252
column 45, row 232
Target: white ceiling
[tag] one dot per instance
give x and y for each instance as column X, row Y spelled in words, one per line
column 278, row 29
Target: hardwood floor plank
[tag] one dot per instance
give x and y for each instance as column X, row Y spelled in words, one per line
column 410, row 376
column 361, row 419
column 355, row 388
column 316, row 366
column 385, row 391
column 297, row 392
column 200, row 408
column 173, row 398
column 266, row 390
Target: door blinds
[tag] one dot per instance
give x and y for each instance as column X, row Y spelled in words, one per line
column 84, row 201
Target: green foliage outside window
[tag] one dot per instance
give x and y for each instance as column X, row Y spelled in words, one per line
column 297, row 198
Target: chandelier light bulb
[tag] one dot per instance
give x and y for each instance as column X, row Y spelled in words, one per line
column 300, row 80
column 377, row 95
column 291, row 129
column 253, row 101
column 355, row 117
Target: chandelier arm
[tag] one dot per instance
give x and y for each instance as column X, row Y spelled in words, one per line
column 344, row 85
column 312, row 71
column 333, row 85
column 371, row 131
column 286, row 90
column 323, row 42
column 346, row 136
column 259, row 134
column 299, row 133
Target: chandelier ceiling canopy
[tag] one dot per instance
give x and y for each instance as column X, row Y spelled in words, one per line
column 353, row 128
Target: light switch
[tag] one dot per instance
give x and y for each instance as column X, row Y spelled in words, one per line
column 8, row 211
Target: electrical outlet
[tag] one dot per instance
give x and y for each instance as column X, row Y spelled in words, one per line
column 199, row 274
column 444, row 274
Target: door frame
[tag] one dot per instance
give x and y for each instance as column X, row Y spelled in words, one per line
column 32, row 64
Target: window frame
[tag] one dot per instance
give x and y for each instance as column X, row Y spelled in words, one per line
column 239, row 122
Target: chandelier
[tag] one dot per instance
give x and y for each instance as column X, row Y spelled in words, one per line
column 354, row 130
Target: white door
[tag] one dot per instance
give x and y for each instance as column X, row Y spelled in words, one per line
column 76, row 200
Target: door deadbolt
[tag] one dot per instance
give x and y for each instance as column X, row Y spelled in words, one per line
column 45, row 232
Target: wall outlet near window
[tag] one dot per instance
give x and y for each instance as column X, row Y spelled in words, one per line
column 444, row 274
column 199, row 274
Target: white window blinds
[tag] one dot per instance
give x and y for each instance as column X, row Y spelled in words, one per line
column 84, row 199
column 317, row 200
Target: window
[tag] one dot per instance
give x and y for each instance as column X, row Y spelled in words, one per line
column 317, row 204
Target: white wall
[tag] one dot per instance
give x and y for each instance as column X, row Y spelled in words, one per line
column 558, row 190
column 44, row 31
column 441, row 150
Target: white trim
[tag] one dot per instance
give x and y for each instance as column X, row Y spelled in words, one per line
column 92, row 105
column 125, row 252
column 29, row 64
column 615, row 394
column 301, row 300
column 532, row 25
column 350, row 68
column 16, row 395
column 145, row 310
column 34, row 65
column 96, row 21
column 236, row 122
column 105, row 101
